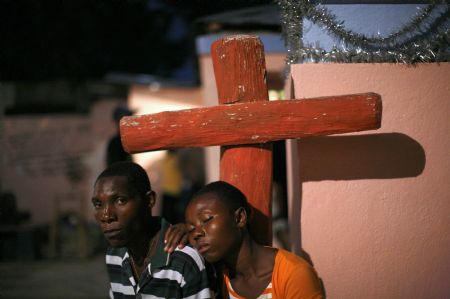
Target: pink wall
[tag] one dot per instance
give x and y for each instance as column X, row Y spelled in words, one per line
column 38, row 154
column 375, row 206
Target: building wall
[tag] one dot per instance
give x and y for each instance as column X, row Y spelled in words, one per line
column 50, row 162
column 373, row 207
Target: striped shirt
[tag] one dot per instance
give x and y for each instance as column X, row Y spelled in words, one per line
column 182, row 274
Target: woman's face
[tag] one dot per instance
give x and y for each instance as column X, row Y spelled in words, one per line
column 213, row 228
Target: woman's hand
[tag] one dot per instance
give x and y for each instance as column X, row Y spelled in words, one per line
column 176, row 236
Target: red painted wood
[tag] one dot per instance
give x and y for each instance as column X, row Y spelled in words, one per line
column 240, row 70
column 251, row 123
column 250, row 169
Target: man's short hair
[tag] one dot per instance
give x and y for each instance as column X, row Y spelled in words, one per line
column 136, row 175
column 119, row 112
column 228, row 194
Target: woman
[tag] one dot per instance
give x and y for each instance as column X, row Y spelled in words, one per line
column 217, row 219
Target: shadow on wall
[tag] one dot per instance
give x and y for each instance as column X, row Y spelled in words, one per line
column 356, row 157
column 376, row 156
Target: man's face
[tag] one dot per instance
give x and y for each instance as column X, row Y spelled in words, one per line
column 121, row 212
column 213, row 229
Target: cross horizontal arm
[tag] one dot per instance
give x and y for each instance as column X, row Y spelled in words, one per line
column 250, row 123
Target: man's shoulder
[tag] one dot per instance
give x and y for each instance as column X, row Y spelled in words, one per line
column 187, row 252
column 188, row 255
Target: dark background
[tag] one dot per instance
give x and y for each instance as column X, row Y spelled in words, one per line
column 87, row 39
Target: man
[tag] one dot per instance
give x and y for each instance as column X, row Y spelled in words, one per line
column 137, row 264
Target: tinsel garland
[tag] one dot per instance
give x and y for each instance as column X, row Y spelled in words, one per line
column 420, row 40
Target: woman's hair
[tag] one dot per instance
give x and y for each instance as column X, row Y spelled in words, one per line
column 228, row 194
column 136, row 176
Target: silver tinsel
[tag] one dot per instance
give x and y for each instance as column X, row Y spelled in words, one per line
column 421, row 40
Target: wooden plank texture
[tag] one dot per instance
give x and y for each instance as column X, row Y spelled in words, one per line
column 251, row 123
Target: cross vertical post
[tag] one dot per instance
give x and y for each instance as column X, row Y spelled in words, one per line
column 240, row 71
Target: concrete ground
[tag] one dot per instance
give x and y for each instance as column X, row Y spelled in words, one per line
column 54, row 279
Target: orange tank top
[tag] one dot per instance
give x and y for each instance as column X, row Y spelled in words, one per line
column 266, row 294
column 292, row 278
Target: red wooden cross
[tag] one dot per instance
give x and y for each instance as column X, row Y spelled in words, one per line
column 246, row 122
